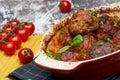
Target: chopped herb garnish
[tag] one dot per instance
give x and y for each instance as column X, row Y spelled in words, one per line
column 101, row 43
column 116, row 19
column 96, row 56
column 77, row 40
column 108, row 40
column 101, row 22
column 92, row 13
column 81, row 52
column 115, row 25
column 63, row 49
column 118, row 46
column 62, row 31
column 76, row 19
column 50, row 54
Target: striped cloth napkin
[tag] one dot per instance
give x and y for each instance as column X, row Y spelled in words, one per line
column 31, row 72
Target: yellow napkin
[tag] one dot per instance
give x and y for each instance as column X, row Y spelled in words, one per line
column 10, row 63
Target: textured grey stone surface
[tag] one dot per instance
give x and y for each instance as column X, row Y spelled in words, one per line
column 43, row 13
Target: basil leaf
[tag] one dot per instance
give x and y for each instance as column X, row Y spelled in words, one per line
column 96, row 56
column 116, row 19
column 115, row 25
column 118, row 46
column 101, row 22
column 77, row 40
column 108, row 40
column 76, row 43
column 101, row 43
column 63, row 49
column 62, row 31
column 81, row 52
column 50, row 54
column 92, row 13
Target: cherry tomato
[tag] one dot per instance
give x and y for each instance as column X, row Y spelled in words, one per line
column 30, row 27
column 16, row 40
column 1, row 44
column 13, row 22
column 64, row 6
column 23, row 33
column 25, row 55
column 7, row 27
column 9, row 48
column 2, row 34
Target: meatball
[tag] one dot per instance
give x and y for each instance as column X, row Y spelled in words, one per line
column 72, row 56
column 97, row 51
column 69, row 56
column 106, row 30
column 116, row 40
column 109, row 29
column 74, row 53
column 116, row 37
column 88, row 41
column 82, row 22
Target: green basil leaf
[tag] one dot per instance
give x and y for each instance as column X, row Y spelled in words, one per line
column 96, row 56
column 101, row 22
column 77, row 40
column 76, row 43
column 70, row 41
column 63, row 49
column 101, row 43
column 108, row 40
column 81, row 52
column 62, row 31
column 50, row 54
column 115, row 25
column 116, row 19
column 92, row 13
column 118, row 46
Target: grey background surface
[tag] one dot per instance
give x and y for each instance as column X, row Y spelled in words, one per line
column 43, row 13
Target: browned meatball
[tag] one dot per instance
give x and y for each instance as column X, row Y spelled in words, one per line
column 74, row 53
column 87, row 43
column 109, row 29
column 69, row 56
column 72, row 56
column 116, row 37
column 97, row 51
column 106, row 30
column 83, row 23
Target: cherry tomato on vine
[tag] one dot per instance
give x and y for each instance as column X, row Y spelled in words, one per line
column 23, row 33
column 1, row 45
column 25, row 55
column 9, row 48
column 65, row 6
column 30, row 27
column 16, row 40
column 7, row 27
column 13, row 22
column 2, row 34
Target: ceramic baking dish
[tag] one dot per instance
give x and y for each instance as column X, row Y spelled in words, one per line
column 92, row 69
